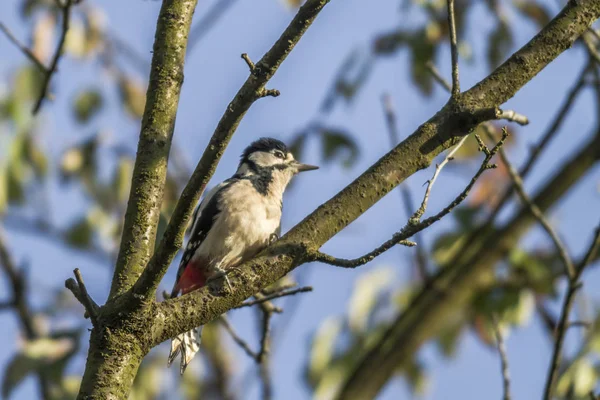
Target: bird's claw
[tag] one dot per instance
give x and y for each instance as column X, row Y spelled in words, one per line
column 273, row 238
column 221, row 273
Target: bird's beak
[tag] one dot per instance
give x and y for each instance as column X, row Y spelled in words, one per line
column 304, row 167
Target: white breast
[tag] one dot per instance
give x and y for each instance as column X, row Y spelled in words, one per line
column 243, row 226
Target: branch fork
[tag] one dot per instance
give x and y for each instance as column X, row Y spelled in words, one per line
column 256, row 71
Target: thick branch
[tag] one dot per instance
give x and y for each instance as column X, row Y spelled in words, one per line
column 252, row 90
column 416, row 152
column 456, row 282
column 414, row 224
column 158, row 123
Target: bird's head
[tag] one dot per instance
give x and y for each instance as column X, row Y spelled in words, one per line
column 268, row 154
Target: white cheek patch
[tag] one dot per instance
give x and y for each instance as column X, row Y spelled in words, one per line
column 263, row 159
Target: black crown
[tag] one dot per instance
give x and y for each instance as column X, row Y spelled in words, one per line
column 264, row 144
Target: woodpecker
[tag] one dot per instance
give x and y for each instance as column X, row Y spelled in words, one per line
column 235, row 220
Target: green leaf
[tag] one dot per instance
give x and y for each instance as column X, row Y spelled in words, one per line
column 38, row 355
column 15, row 185
column 3, row 188
column 336, row 142
column 122, row 179
column 27, row 84
column 80, row 234
column 446, row 245
column 581, row 376
column 133, row 96
column 367, row 289
column 87, row 104
column 500, row 42
column 297, row 145
column 422, row 51
column 322, row 348
column 534, row 11
column 35, row 157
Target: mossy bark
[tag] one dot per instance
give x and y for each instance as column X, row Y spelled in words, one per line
column 132, row 323
column 416, row 152
column 158, row 123
column 456, row 284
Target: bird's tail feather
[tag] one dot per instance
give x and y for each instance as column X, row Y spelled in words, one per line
column 188, row 345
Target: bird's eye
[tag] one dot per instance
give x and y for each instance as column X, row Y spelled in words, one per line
column 279, row 154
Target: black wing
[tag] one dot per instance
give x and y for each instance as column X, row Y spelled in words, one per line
column 204, row 217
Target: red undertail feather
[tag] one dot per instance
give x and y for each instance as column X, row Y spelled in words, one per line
column 187, row 344
column 191, row 279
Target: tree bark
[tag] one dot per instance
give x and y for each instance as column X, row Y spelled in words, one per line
column 131, row 323
column 443, row 130
column 158, row 123
column 454, row 286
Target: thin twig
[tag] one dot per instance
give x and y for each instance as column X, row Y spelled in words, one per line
column 66, row 16
column 503, row 358
column 563, row 324
column 79, row 290
column 28, row 53
column 357, row 262
column 513, row 116
column 263, row 356
column 275, row 295
column 264, row 92
column 416, row 217
column 453, row 49
column 405, row 193
column 539, row 215
column 438, row 76
column 413, row 226
column 236, row 338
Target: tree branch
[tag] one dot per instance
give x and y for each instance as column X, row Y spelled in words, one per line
column 438, row 168
column 453, row 49
column 275, row 295
column 503, row 359
column 28, row 53
column 537, row 213
column 251, row 90
column 416, row 152
column 237, row 338
column 66, row 16
column 405, row 193
column 563, row 322
column 454, row 285
column 158, row 123
column 81, row 294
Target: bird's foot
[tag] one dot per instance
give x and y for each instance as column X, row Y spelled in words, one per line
column 220, row 273
column 273, row 238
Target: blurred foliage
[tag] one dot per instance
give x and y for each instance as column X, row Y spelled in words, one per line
column 97, row 167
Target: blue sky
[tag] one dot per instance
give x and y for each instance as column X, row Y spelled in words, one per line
column 214, row 72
